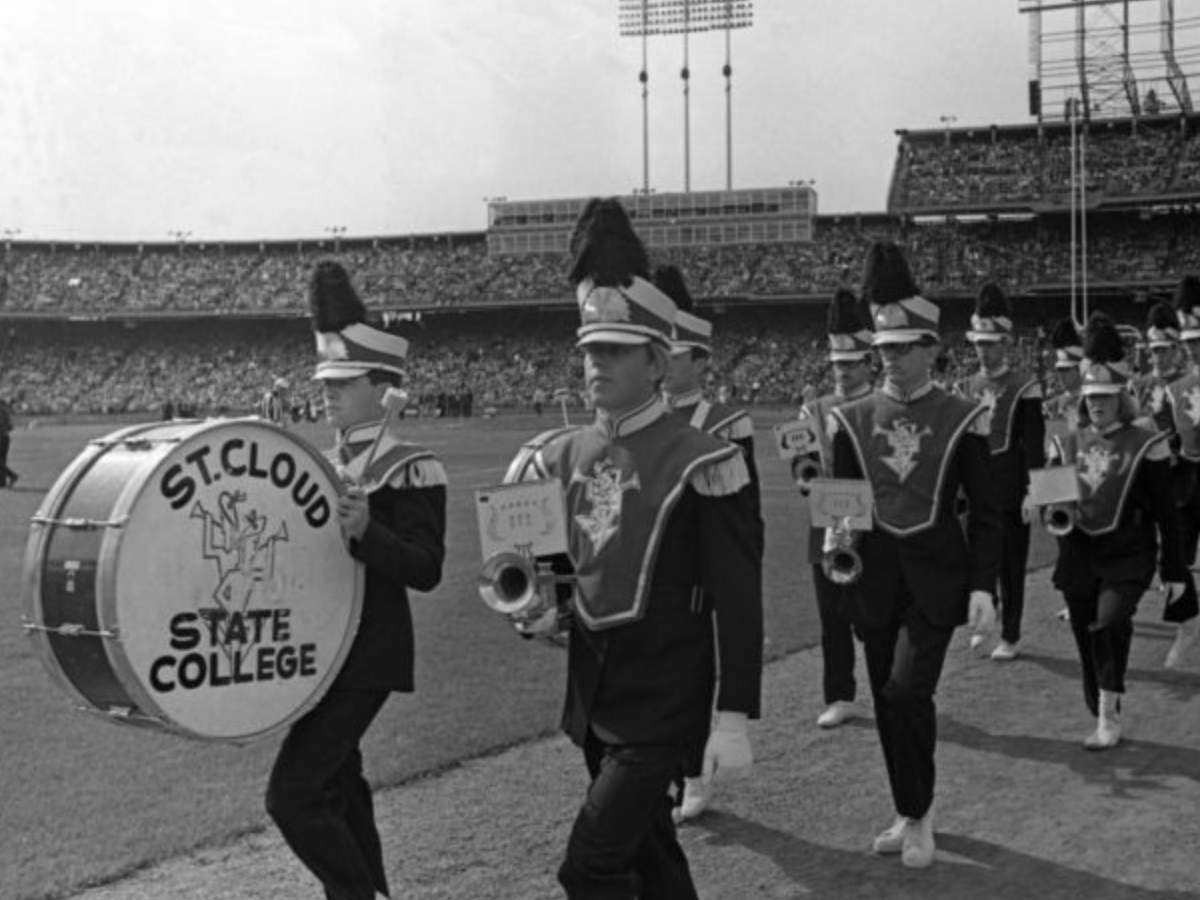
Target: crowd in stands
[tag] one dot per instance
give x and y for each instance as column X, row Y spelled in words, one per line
column 985, row 168
column 457, row 367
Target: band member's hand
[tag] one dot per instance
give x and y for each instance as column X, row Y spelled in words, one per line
column 1174, row 590
column 728, row 749
column 981, row 615
column 1027, row 510
column 353, row 514
column 544, row 625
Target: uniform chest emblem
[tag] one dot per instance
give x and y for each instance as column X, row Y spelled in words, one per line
column 904, row 437
column 1095, row 463
column 1191, row 407
column 604, row 491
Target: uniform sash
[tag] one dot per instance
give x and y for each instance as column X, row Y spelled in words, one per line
column 1000, row 396
column 392, row 455
column 619, row 495
column 904, row 450
column 1106, row 466
column 1185, row 407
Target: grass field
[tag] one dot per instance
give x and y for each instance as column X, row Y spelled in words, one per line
column 85, row 800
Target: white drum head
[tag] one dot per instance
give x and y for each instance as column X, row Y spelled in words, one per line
column 235, row 596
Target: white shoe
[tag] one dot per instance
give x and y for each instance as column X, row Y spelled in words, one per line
column 1108, row 724
column 1005, row 652
column 696, row 797
column 977, row 641
column 891, row 841
column 1063, row 615
column 1185, row 637
column 918, row 847
column 839, row 712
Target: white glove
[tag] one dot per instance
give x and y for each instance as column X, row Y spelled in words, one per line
column 981, row 618
column 1174, row 590
column 728, row 749
column 1027, row 510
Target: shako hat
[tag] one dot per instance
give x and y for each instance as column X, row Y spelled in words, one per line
column 992, row 319
column 691, row 331
column 1162, row 325
column 1104, row 368
column 1187, row 299
column 610, row 270
column 1068, row 348
column 849, row 336
column 899, row 312
column 347, row 346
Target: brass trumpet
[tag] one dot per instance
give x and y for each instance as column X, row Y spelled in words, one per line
column 840, row 561
column 526, row 590
column 1060, row 519
column 805, row 470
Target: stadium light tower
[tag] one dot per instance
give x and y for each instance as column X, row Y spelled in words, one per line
column 337, row 231
column 181, row 237
column 645, row 18
column 9, row 235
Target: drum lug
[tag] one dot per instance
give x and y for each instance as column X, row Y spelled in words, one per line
column 72, row 629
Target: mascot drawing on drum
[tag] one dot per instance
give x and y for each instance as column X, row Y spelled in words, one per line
column 243, row 552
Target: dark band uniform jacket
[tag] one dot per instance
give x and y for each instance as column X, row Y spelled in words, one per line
column 402, row 548
column 934, row 444
column 1016, row 429
column 656, row 510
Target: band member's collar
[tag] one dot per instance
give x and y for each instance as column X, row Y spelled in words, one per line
column 353, row 440
column 686, row 399
column 633, row 421
column 900, row 396
column 861, row 391
column 997, row 373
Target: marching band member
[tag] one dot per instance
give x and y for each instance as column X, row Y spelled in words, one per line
column 1125, row 518
column 1017, row 439
column 1183, row 401
column 659, row 516
column 850, row 357
column 1068, row 354
column 683, row 391
column 923, row 572
column 275, row 406
column 1151, row 389
column 393, row 520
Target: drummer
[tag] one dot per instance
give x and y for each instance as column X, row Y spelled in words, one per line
column 393, row 520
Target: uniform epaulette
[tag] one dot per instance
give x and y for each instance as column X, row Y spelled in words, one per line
column 737, row 430
column 1159, row 450
column 420, row 473
column 721, row 478
column 530, row 453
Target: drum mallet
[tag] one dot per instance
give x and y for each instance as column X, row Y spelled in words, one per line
column 394, row 401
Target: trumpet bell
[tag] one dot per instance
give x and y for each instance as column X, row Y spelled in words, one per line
column 842, row 566
column 1060, row 520
column 508, row 585
column 805, row 472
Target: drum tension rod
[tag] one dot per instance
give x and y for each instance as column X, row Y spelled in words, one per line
column 77, row 524
column 71, row 629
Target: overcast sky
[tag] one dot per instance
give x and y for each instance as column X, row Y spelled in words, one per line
column 242, row 119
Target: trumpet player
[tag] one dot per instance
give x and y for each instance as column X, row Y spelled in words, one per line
column 1183, row 411
column 1017, row 440
column 1126, row 522
column 924, row 574
column 393, row 521
column 850, row 358
column 683, row 392
column 658, row 515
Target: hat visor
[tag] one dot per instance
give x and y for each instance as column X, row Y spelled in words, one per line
column 344, row 370
column 678, row 348
column 849, row 355
column 608, row 334
column 985, row 337
column 902, row 336
column 1067, row 364
column 1101, row 389
column 1167, row 344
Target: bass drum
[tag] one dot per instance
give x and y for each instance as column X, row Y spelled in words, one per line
column 190, row 577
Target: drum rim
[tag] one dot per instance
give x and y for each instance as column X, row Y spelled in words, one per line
column 109, row 559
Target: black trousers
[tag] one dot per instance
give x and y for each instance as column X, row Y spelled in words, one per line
column 1187, row 607
column 623, row 843
column 904, row 662
column 322, row 804
column 6, row 474
column 837, row 642
column 1014, row 559
column 1102, row 623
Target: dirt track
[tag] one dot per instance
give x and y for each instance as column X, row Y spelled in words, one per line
column 1024, row 811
